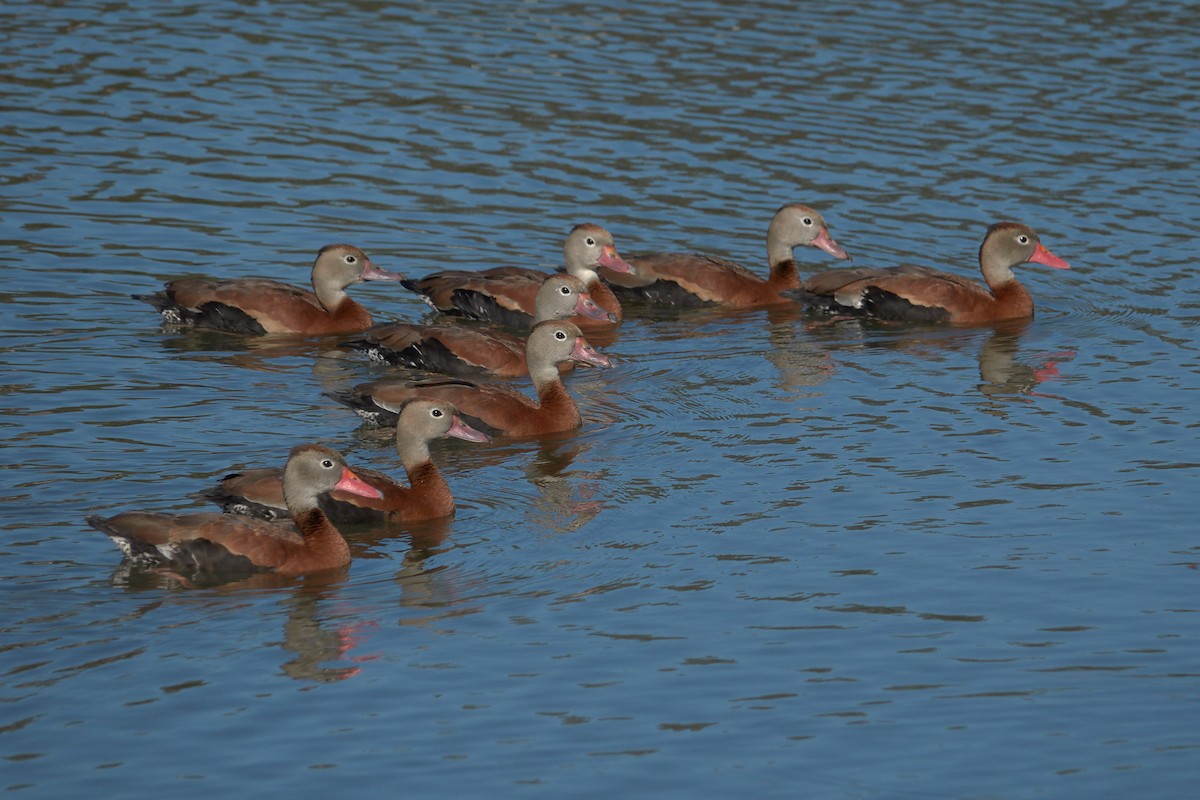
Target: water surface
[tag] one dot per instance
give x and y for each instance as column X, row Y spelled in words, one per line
column 784, row 554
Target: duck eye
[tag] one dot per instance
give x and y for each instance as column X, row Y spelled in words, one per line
column 808, row 221
column 590, row 241
column 1023, row 239
column 560, row 335
column 436, row 413
column 565, row 289
column 351, row 259
column 326, row 464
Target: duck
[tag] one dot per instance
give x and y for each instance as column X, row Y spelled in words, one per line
column 463, row 350
column 258, row 306
column 921, row 294
column 214, row 542
column 259, row 492
column 495, row 409
column 687, row 280
column 505, row 295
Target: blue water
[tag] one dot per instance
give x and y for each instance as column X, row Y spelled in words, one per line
column 784, row 555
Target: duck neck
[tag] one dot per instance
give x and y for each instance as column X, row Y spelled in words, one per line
column 330, row 295
column 429, row 484
column 784, row 274
column 343, row 314
column 996, row 266
column 604, row 297
column 586, row 275
column 544, row 376
column 424, row 477
column 557, row 402
column 413, row 452
column 320, row 537
column 305, row 512
column 1013, row 298
column 779, row 249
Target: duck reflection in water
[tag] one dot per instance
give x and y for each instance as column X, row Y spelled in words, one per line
column 802, row 364
column 566, row 500
column 317, row 641
column 309, row 635
column 1002, row 375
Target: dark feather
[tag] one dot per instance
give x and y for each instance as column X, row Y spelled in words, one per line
column 428, row 354
column 478, row 305
column 366, row 408
column 190, row 556
column 876, row 304
column 884, row 305
column 659, row 293
column 236, row 504
column 217, row 316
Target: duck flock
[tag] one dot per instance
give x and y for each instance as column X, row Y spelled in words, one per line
column 536, row 327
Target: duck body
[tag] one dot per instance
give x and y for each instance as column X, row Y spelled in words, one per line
column 445, row 348
column 211, row 542
column 507, row 295
column 686, row 280
column 465, row 350
column 495, row 409
column 693, row 280
column 259, row 492
column 911, row 293
column 258, row 306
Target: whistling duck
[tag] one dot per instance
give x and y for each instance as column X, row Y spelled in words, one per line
column 494, row 408
column 260, row 305
column 686, row 280
column 506, row 294
column 921, row 294
column 259, row 492
column 463, row 350
column 209, row 542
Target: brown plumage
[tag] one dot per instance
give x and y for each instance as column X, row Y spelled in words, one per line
column 687, row 279
column 456, row 349
column 209, row 542
column 259, row 492
column 493, row 408
column 920, row 294
column 507, row 294
column 260, row 305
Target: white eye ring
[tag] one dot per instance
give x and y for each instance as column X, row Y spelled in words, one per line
column 436, row 413
column 350, row 259
column 565, row 289
column 560, row 335
column 808, row 221
column 1023, row 239
column 327, row 464
column 590, row 242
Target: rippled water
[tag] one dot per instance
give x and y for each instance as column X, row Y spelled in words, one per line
column 784, row 555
